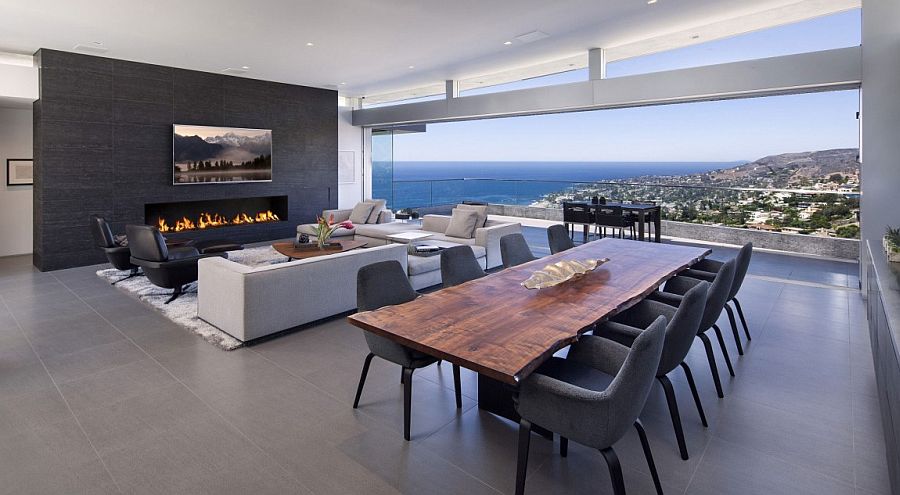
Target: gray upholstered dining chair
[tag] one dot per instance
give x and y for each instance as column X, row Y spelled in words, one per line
column 384, row 284
column 683, row 323
column 558, row 238
column 592, row 397
column 514, row 250
column 673, row 294
column 707, row 269
column 459, row 265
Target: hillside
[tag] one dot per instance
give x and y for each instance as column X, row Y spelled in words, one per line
column 789, row 170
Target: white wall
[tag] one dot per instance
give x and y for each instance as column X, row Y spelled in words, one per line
column 880, row 137
column 350, row 138
column 16, row 215
column 18, row 82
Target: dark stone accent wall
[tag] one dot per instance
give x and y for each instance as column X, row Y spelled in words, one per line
column 103, row 145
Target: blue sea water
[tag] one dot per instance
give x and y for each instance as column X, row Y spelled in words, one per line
column 419, row 184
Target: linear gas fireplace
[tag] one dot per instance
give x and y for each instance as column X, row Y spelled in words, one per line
column 208, row 214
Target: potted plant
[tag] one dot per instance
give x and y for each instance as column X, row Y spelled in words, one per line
column 892, row 244
column 325, row 228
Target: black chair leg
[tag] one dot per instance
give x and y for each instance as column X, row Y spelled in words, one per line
column 724, row 349
column 362, row 379
column 673, row 412
column 134, row 273
column 175, row 293
column 407, row 400
column 522, row 462
column 645, row 444
column 712, row 363
column 737, row 305
column 457, row 386
column 615, row 470
column 734, row 329
column 690, row 380
column 563, row 447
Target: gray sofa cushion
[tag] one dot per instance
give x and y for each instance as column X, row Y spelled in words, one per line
column 310, row 229
column 382, row 230
column 480, row 209
column 462, row 224
column 377, row 206
column 418, row 265
column 361, row 212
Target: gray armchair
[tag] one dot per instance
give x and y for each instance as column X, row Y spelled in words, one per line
column 593, row 397
column 514, row 250
column 684, row 321
column 673, row 294
column 707, row 269
column 459, row 265
column 384, row 284
column 558, row 238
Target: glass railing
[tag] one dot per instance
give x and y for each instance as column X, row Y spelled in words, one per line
column 826, row 209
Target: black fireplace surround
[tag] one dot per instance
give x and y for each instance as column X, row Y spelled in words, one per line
column 103, row 146
column 187, row 216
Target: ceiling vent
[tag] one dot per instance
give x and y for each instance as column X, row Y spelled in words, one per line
column 532, row 37
column 94, row 47
column 235, row 71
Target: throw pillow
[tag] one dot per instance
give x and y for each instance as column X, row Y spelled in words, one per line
column 377, row 207
column 462, row 224
column 480, row 209
column 361, row 213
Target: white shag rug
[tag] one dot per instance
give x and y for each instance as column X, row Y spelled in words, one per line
column 183, row 310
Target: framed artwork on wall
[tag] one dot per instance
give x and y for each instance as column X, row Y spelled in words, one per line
column 19, row 172
column 346, row 167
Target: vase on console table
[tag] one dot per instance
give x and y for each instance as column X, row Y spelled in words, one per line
column 325, row 228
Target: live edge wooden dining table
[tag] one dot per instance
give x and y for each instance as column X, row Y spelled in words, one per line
column 503, row 331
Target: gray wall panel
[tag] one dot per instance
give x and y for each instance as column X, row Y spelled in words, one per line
column 103, row 145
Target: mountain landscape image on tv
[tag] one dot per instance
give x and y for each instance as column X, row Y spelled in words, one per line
column 204, row 155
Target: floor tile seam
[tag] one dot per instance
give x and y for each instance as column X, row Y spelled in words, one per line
column 94, row 373
column 383, row 423
column 801, row 283
column 192, row 391
column 779, row 457
column 321, row 390
column 66, row 402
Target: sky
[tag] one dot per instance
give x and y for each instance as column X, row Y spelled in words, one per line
column 206, row 132
column 732, row 130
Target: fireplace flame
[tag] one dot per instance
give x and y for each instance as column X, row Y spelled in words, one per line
column 209, row 220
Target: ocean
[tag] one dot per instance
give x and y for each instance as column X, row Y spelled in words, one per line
column 419, row 184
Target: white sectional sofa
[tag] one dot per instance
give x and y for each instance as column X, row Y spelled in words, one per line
column 249, row 303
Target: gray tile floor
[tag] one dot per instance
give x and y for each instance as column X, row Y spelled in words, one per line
column 101, row 394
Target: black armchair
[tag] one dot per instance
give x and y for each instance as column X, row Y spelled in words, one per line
column 119, row 255
column 169, row 268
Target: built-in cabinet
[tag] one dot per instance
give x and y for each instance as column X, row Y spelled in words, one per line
column 883, row 306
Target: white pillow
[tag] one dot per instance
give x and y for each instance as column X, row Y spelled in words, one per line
column 462, row 224
column 361, row 213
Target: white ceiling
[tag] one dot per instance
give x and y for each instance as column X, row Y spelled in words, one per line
column 370, row 45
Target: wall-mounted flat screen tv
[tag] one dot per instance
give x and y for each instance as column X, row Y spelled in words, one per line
column 213, row 155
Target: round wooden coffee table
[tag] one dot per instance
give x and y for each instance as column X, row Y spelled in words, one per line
column 295, row 253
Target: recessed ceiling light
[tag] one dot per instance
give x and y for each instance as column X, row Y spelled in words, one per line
column 343, row 84
column 411, row 67
column 310, row 43
column 245, row 67
column 507, row 42
column 651, row 2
